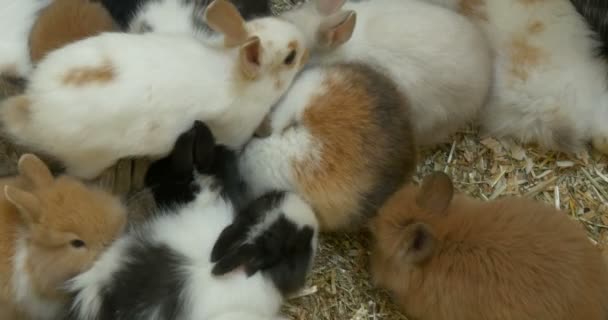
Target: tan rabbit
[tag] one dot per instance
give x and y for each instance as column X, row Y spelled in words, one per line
column 454, row 257
column 51, row 229
column 66, row 21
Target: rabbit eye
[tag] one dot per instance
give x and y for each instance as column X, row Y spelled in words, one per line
column 290, row 58
column 77, row 243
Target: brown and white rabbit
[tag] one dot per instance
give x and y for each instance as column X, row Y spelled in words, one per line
column 441, row 61
column 51, row 229
column 446, row 256
column 550, row 84
column 119, row 95
column 341, row 138
column 66, row 21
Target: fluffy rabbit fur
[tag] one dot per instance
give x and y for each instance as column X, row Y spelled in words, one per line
column 66, row 21
column 51, row 229
column 172, row 251
column 438, row 58
column 91, row 103
column 179, row 16
column 595, row 13
column 341, row 138
column 547, row 90
column 455, row 257
column 171, row 13
column 16, row 20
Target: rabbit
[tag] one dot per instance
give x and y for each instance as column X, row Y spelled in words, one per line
column 172, row 252
column 117, row 105
column 546, row 91
column 66, row 21
column 174, row 15
column 341, row 138
column 446, row 256
column 438, row 58
column 52, row 228
column 16, row 19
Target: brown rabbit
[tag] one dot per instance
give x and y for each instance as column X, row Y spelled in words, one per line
column 454, row 257
column 66, row 21
column 51, row 229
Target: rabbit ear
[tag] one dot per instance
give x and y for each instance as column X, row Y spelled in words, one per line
column 33, row 169
column 418, row 243
column 436, row 193
column 223, row 17
column 337, row 29
column 327, row 7
column 228, row 239
column 204, row 148
column 27, row 204
column 243, row 255
column 249, row 58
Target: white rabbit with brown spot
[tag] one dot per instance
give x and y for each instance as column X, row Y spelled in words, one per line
column 341, row 138
column 551, row 84
column 439, row 59
column 117, row 95
column 51, row 229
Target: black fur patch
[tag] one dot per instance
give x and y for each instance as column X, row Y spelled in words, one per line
column 123, row 11
column 595, row 13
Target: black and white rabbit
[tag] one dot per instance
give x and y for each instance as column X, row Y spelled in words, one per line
column 163, row 269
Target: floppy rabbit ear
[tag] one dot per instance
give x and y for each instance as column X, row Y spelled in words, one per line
column 222, row 16
column 36, row 171
column 337, row 29
column 249, row 58
column 327, row 7
column 226, row 242
column 436, row 193
column 27, row 204
column 241, row 256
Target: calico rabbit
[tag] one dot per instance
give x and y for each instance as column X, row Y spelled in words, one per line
column 174, row 15
column 341, row 138
column 439, row 59
column 66, row 21
column 550, row 83
column 51, row 229
column 446, row 256
column 16, row 19
column 172, row 252
column 118, row 106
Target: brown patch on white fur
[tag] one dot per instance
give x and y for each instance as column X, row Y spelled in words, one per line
column 15, row 111
column 66, row 21
column 512, row 258
column 474, row 9
column 82, row 76
column 535, row 27
column 524, row 57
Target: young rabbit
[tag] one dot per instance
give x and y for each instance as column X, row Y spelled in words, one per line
column 16, row 20
column 438, row 58
column 174, row 15
column 171, row 253
column 446, row 256
column 120, row 103
column 66, row 21
column 51, row 230
column 341, row 138
column 546, row 90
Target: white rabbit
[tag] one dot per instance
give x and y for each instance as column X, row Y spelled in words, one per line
column 199, row 259
column 117, row 95
column 441, row 61
column 551, row 86
column 16, row 19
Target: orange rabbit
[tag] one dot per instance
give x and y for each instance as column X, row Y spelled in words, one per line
column 454, row 257
column 66, row 21
column 51, row 229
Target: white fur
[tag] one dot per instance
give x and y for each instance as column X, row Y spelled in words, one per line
column 563, row 103
column 167, row 16
column 438, row 59
column 162, row 83
column 192, row 232
column 25, row 296
column 16, row 19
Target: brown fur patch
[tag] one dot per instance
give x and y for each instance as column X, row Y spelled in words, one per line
column 535, row 27
column 524, row 57
column 491, row 260
column 87, row 75
column 66, row 21
column 475, row 9
column 15, row 111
